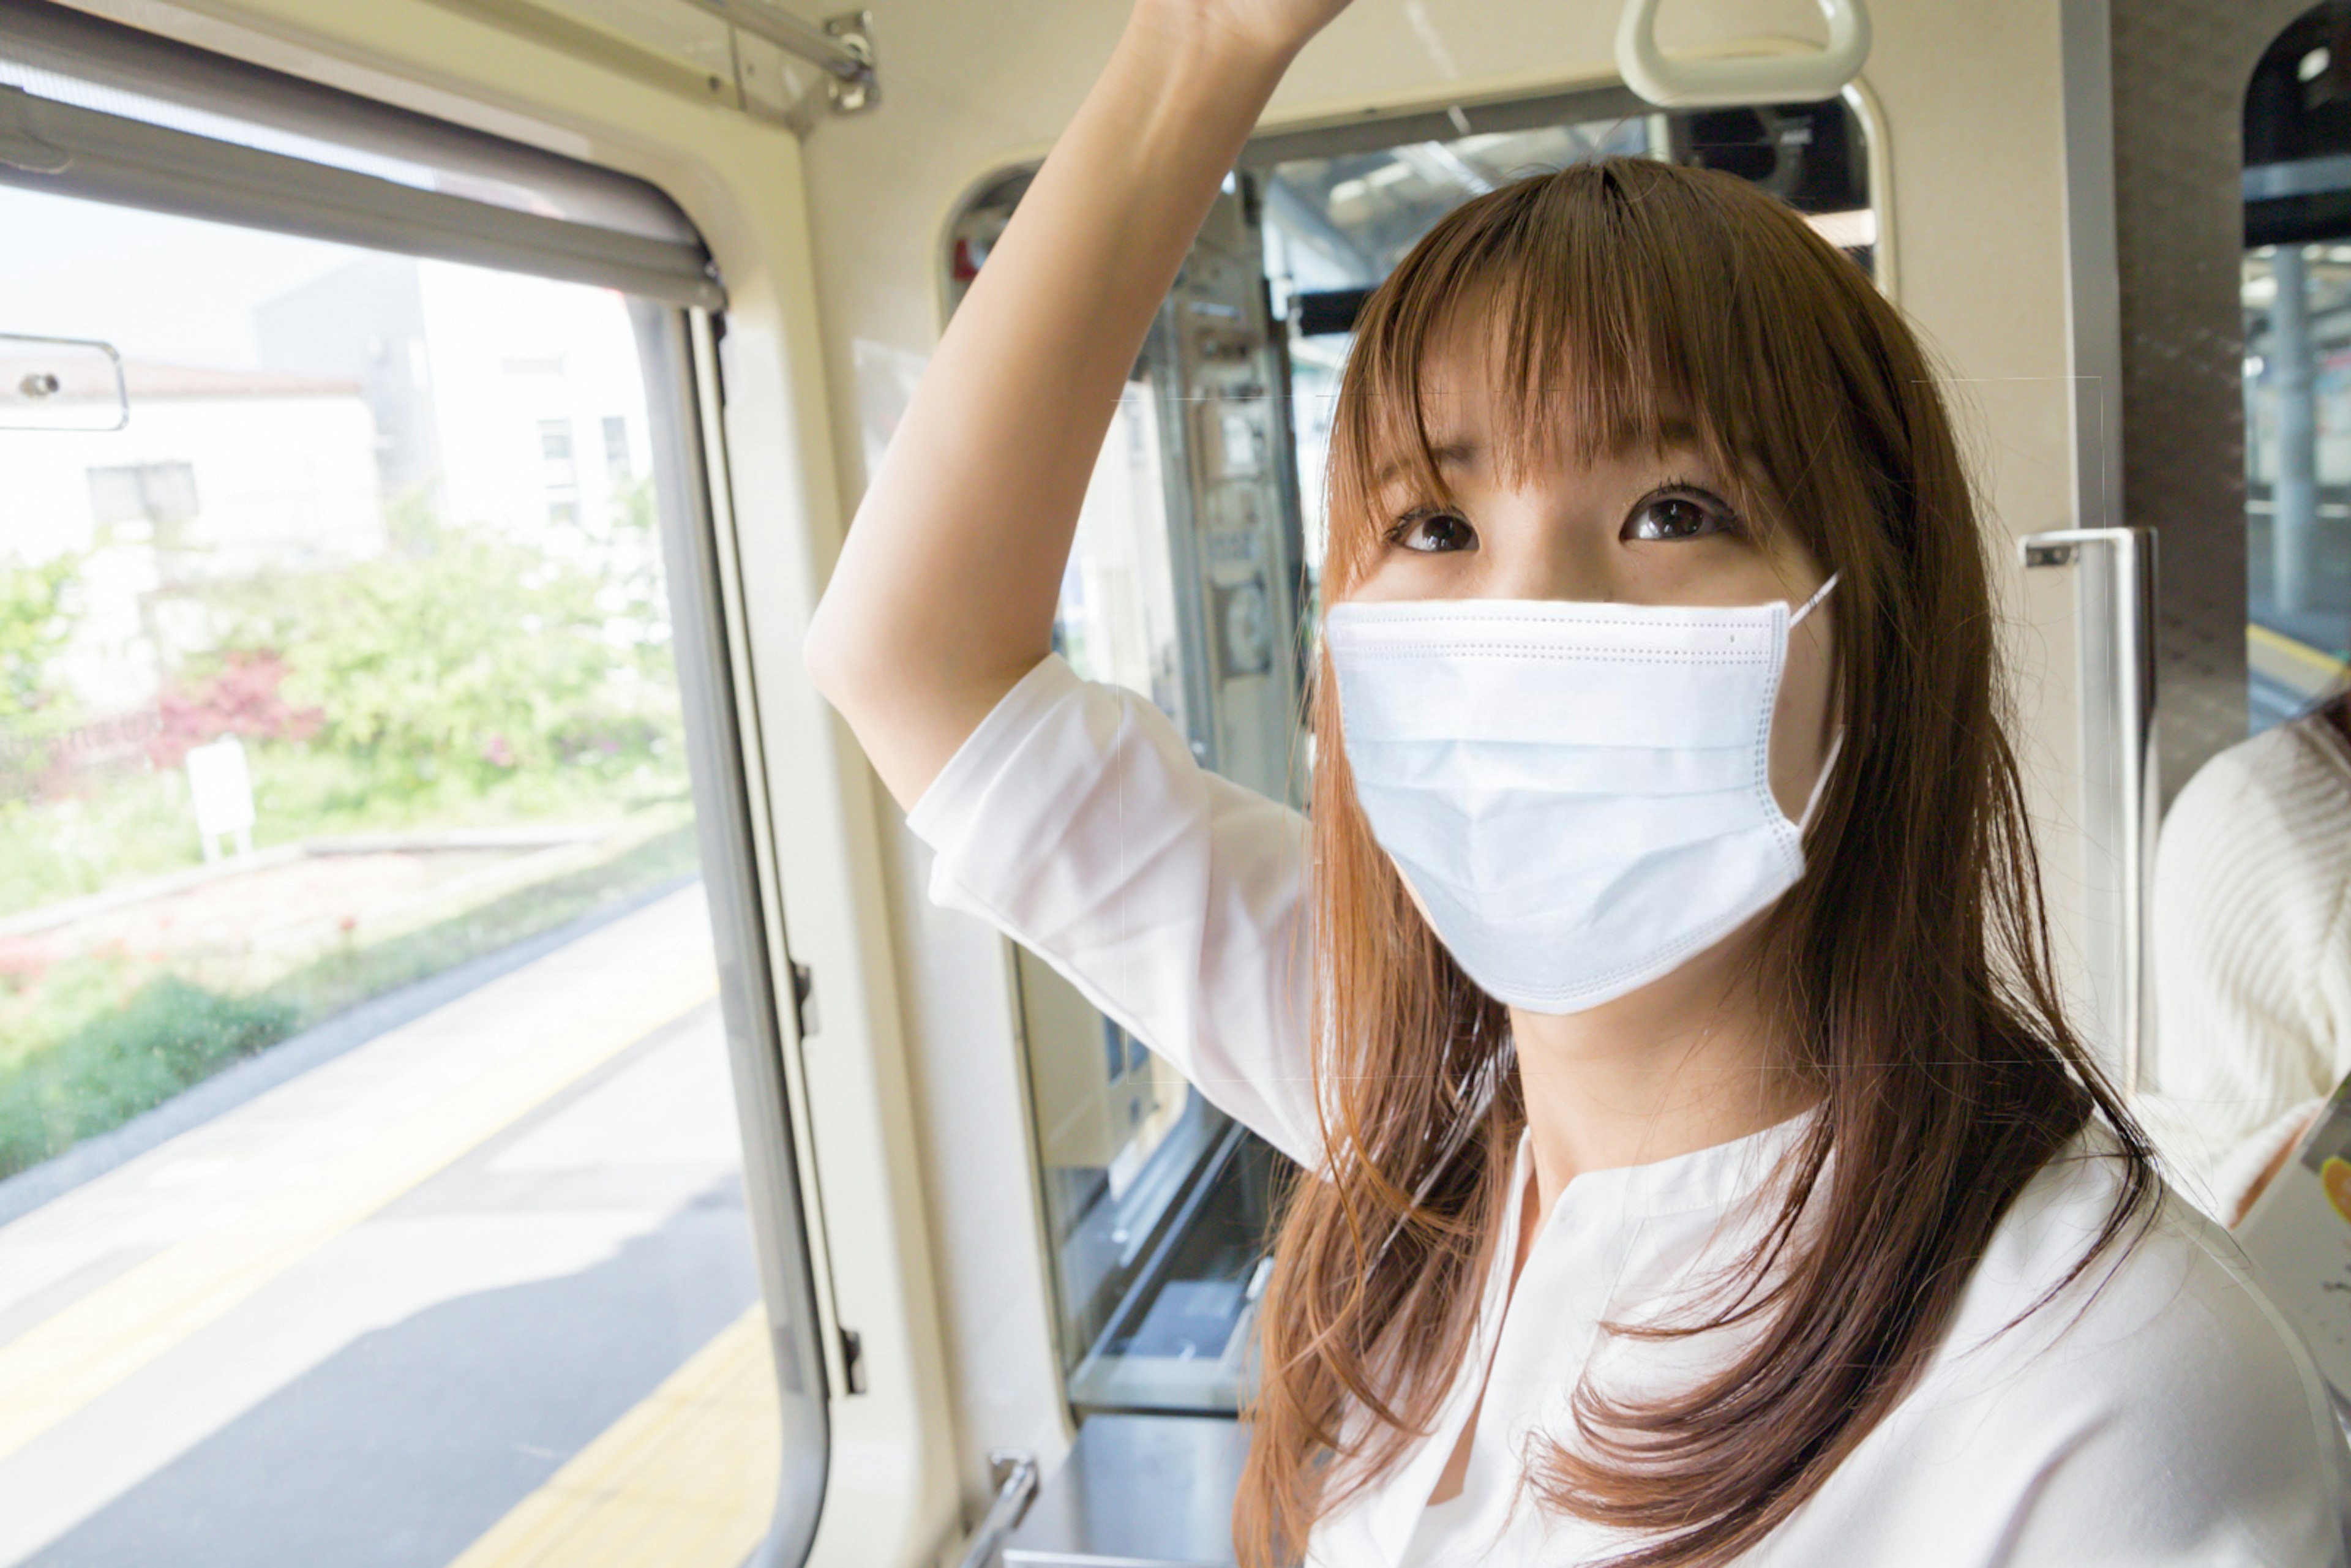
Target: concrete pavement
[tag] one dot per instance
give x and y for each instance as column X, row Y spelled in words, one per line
column 371, row 1315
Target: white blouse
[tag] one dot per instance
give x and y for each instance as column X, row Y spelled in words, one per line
column 2159, row 1411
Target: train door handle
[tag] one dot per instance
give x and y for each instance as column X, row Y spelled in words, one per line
column 1015, row 1475
column 2115, row 579
column 1805, row 75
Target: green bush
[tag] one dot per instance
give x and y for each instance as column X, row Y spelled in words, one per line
column 466, row 678
column 467, row 657
column 92, row 1051
column 169, row 1035
column 36, row 619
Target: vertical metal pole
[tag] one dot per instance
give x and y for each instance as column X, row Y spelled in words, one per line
column 2115, row 577
column 2092, row 286
column 2294, row 506
column 2133, row 591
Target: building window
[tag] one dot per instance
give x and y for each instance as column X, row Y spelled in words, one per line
column 616, row 450
column 157, row 492
column 555, row 450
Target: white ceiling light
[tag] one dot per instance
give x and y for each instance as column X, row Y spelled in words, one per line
column 1847, row 230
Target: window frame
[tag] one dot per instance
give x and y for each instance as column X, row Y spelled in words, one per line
column 674, row 302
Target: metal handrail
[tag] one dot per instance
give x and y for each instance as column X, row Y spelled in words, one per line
column 843, row 47
column 1805, row 76
column 2119, row 805
column 1015, row 1487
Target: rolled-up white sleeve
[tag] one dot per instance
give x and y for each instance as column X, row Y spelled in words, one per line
column 1075, row 819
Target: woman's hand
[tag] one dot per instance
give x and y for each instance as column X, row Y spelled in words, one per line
column 1273, row 29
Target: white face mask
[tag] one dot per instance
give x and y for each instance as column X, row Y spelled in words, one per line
column 1580, row 794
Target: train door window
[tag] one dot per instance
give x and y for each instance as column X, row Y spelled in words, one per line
column 1341, row 208
column 2296, row 290
column 1194, row 581
column 373, row 1116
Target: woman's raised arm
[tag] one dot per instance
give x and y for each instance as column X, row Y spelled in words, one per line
column 944, row 592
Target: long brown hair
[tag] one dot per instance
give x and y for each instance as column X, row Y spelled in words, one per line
column 1908, row 971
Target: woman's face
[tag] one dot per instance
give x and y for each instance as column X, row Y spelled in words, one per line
column 1654, row 528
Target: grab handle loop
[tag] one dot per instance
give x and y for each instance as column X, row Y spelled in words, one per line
column 1803, row 76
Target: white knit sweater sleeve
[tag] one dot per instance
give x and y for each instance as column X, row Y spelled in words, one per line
column 2252, row 956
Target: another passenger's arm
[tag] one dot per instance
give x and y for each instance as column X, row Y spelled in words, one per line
column 945, row 593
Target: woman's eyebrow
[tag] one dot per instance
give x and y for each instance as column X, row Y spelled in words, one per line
column 1446, row 455
column 1675, row 439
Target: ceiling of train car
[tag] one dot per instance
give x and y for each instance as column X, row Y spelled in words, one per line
column 1362, row 211
column 676, row 43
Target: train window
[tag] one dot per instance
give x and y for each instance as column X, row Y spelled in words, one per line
column 2296, row 290
column 373, row 1115
column 95, row 108
column 1194, row 581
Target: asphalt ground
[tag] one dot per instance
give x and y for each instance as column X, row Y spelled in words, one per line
column 377, row 1315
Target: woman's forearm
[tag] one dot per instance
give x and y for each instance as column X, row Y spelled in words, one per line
column 945, row 593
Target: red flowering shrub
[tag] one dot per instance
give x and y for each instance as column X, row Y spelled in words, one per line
column 239, row 696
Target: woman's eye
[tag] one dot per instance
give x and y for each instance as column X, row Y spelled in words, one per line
column 1433, row 533
column 1668, row 518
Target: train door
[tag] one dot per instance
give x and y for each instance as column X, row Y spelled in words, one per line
column 2297, row 470
column 2231, row 249
column 1187, row 584
column 395, row 1164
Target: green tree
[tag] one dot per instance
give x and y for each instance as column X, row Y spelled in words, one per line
column 36, row 619
column 468, row 657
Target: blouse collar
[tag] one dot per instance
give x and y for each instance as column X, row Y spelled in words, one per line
column 1710, row 1178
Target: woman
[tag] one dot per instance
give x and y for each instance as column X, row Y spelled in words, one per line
column 2252, row 947
column 1671, row 1200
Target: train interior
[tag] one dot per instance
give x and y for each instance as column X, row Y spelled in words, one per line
column 481, row 1080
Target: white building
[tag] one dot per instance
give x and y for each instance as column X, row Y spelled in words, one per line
column 218, row 475
column 505, row 400
column 539, row 404
column 492, row 398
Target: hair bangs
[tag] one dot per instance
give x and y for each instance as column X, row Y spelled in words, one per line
column 1634, row 337
column 1609, row 308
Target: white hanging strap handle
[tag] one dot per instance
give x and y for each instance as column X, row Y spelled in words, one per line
column 1805, row 75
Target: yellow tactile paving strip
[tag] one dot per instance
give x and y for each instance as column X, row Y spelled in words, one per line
column 64, row 1362
column 685, row 1480
column 2295, row 664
